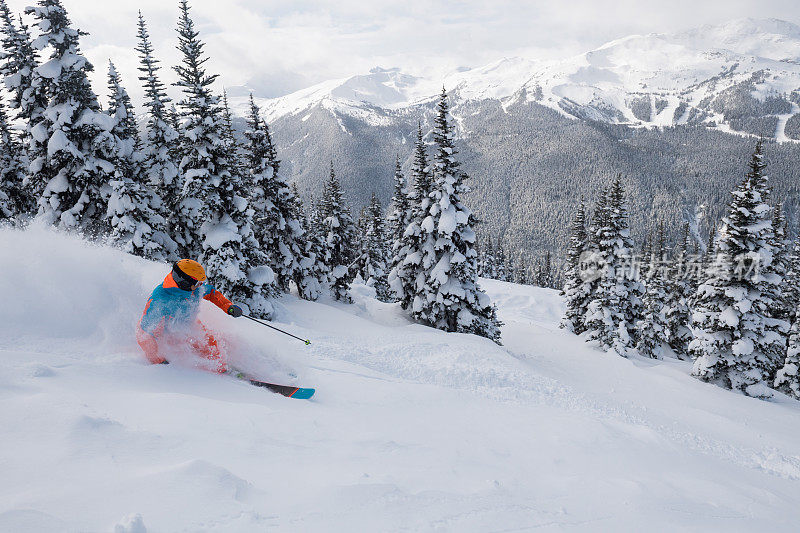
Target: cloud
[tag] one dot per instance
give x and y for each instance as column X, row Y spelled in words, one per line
column 275, row 47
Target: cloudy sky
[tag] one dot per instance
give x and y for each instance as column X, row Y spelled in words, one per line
column 277, row 46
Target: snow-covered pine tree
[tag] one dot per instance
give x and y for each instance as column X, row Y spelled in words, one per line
column 450, row 298
column 310, row 275
column 133, row 207
column 28, row 92
column 480, row 262
column 615, row 304
column 174, row 120
column 545, row 274
column 213, row 212
column 259, row 287
column 711, row 248
column 121, row 107
column 521, row 271
column 15, row 202
column 782, row 248
column 653, row 327
column 413, row 254
column 787, row 380
column 576, row 290
column 737, row 342
column 500, row 262
column 399, row 208
column 371, row 261
column 791, row 285
column 314, row 273
column 73, row 157
column 161, row 147
column 680, row 288
column 339, row 242
column 490, row 270
column 647, row 253
column 204, row 167
column 510, row 273
column 278, row 224
column 229, row 135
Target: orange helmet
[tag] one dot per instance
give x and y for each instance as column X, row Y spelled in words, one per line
column 188, row 274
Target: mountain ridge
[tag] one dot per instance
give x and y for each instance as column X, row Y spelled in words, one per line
column 750, row 84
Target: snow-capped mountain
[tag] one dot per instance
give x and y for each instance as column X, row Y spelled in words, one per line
column 535, row 136
column 743, row 75
column 359, row 96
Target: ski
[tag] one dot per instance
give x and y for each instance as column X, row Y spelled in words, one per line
column 286, row 390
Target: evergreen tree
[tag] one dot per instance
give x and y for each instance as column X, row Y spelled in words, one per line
column 133, row 207
column 214, row 214
column 653, row 328
column 228, row 136
column 510, row 273
column 28, row 90
column 500, row 272
column 791, row 286
column 311, row 273
column 450, row 298
column 413, row 254
column 339, row 249
column 204, row 170
column 121, row 107
column 278, row 215
column 371, row 262
column 521, row 271
column 576, row 290
column 315, row 272
column 680, row 288
column 161, row 149
column 174, row 121
column 490, row 268
column 738, row 343
column 71, row 163
column 399, row 209
column 615, row 304
column 15, row 202
column 647, row 253
column 787, row 379
column 544, row 276
column 711, row 249
column 782, row 248
column 261, row 284
column 480, row 263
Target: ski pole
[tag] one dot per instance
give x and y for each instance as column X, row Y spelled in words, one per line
column 276, row 329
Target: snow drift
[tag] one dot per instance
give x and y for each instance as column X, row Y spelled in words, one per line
column 411, row 428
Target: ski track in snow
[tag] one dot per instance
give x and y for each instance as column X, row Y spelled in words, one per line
column 411, row 429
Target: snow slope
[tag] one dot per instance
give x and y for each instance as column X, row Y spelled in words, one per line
column 411, row 428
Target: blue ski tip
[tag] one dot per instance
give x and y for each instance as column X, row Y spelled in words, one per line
column 303, row 394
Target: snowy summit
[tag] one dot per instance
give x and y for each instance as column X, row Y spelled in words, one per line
column 647, row 80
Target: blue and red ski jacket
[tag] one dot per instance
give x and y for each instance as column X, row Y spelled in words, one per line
column 171, row 310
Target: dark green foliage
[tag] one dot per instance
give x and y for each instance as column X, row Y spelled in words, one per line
column 339, row 239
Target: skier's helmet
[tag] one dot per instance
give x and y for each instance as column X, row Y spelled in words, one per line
column 188, row 274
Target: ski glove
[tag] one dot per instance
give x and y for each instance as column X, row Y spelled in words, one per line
column 235, row 311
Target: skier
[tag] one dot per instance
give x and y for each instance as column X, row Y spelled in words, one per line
column 169, row 321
